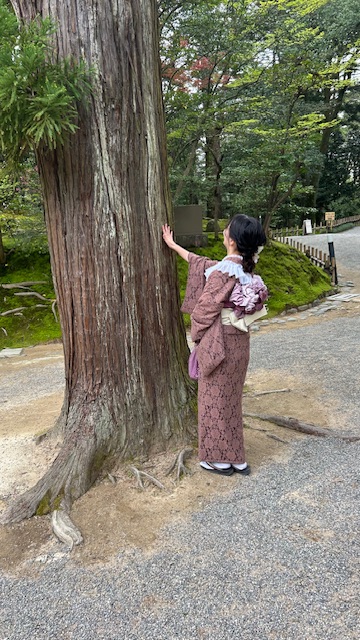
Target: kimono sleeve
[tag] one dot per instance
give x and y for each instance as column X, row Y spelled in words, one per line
column 217, row 290
column 196, row 280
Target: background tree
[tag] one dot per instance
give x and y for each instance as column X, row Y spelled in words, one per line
column 258, row 138
column 106, row 194
column 339, row 55
column 339, row 185
column 208, row 45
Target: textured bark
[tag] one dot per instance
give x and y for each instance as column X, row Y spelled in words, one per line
column 106, row 195
column 213, row 159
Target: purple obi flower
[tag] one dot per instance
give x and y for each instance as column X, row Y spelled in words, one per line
column 249, row 297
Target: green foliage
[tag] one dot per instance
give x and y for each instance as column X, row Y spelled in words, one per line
column 291, row 278
column 346, row 206
column 38, row 97
column 343, row 227
column 21, row 210
column 269, row 78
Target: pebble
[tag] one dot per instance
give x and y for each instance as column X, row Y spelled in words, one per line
column 41, row 559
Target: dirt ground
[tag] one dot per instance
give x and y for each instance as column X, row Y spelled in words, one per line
column 117, row 516
column 114, row 517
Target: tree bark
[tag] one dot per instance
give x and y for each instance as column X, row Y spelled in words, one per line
column 106, row 195
column 213, row 159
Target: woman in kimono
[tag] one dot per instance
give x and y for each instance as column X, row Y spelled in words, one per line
column 223, row 298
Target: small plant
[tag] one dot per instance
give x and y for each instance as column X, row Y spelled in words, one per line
column 38, row 97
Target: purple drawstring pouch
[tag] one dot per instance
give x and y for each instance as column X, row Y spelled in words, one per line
column 193, row 365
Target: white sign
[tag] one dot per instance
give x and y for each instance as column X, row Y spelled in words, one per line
column 307, row 228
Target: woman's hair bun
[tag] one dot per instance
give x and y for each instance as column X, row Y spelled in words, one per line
column 249, row 235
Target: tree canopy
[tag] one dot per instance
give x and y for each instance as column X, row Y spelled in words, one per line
column 254, row 93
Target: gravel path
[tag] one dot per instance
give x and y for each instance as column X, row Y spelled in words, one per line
column 277, row 558
column 20, row 387
column 346, row 246
column 326, row 354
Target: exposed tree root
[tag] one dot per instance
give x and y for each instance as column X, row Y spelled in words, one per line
column 303, row 427
column 179, row 463
column 22, row 285
column 267, row 432
column 142, row 474
column 255, row 394
column 274, row 437
column 10, row 311
column 69, row 477
column 53, row 310
column 30, row 294
column 64, row 528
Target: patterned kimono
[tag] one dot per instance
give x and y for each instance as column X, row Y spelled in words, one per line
column 223, row 355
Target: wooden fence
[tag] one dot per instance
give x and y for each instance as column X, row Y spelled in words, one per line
column 320, row 258
column 320, row 228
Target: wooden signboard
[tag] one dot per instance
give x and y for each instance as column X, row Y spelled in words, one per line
column 329, row 216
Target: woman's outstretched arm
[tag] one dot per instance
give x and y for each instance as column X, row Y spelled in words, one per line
column 168, row 237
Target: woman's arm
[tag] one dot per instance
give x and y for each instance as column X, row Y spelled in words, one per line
column 168, row 237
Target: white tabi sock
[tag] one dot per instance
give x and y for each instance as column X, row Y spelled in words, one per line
column 240, row 466
column 217, row 465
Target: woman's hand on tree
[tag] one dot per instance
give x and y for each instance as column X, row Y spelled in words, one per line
column 168, row 236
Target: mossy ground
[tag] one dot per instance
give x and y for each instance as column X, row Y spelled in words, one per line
column 291, row 278
column 37, row 323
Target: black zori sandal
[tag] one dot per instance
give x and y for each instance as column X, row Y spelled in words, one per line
column 221, row 472
column 244, row 472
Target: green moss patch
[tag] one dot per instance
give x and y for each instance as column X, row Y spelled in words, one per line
column 36, row 323
column 291, row 278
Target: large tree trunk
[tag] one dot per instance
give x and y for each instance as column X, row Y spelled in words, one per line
column 106, row 195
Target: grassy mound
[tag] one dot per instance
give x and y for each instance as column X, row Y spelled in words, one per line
column 290, row 277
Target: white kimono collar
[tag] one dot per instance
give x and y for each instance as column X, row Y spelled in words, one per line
column 230, row 268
